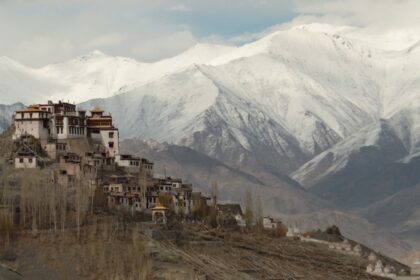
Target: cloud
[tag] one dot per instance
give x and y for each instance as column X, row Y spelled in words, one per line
column 381, row 14
column 33, row 51
column 181, row 8
column 38, row 32
column 47, row 31
column 164, row 46
column 106, row 40
column 385, row 24
column 389, row 24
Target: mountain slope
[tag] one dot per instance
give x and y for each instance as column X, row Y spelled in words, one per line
column 400, row 211
column 6, row 113
column 269, row 100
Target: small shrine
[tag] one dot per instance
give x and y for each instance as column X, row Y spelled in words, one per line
column 159, row 214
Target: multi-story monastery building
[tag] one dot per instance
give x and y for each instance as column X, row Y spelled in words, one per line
column 61, row 121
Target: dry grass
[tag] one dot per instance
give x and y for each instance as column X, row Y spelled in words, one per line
column 257, row 256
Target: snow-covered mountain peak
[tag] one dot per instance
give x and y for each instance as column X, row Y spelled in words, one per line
column 6, row 62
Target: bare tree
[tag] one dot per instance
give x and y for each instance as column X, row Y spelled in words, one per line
column 259, row 214
column 81, row 203
column 214, row 193
column 249, row 209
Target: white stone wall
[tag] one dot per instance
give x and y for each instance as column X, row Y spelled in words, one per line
column 268, row 223
column 122, row 162
column 31, row 127
column 31, row 123
column 115, row 188
column 25, row 162
column 51, row 150
column 106, row 140
column 104, row 137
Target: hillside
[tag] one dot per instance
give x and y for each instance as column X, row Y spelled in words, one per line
column 282, row 198
column 196, row 252
column 398, row 213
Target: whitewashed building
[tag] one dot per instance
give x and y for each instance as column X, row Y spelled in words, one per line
column 27, row 160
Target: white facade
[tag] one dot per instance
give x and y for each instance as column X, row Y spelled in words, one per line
column 31, row 122
column 269, row 223
column 129, row 162
column 109, row 138
column 70, row 130
column 115, row 188
column 25, row 162
column 110, row 141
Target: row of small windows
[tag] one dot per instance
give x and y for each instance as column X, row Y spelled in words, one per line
column 61, row 147
column 160, row 188
column 72, row 130
column 76, row 130
column 152, row 199
column 133, row 188
column 30, row 160
column 33, row 115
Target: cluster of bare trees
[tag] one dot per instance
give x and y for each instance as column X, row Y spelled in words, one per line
column 39, row 203
column 35, row 200
column 111, row 248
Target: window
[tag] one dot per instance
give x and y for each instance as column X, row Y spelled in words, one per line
column 21, row 160
column 30, row 160
column 111, row 135
column 111, row 144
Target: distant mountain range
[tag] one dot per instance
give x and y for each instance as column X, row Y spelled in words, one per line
column 312, row 119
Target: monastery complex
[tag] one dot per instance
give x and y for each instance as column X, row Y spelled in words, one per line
column 86, row 144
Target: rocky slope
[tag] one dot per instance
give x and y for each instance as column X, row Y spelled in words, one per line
column 6, row 114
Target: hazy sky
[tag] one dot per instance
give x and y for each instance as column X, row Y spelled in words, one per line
column 38, row 32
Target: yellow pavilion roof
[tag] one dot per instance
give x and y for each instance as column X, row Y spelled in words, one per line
column 96, row 110
column 159, row 207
